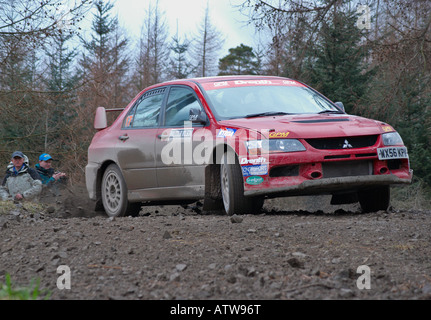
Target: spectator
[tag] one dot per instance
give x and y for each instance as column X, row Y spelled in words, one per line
column 47, row 174
column 21, row 181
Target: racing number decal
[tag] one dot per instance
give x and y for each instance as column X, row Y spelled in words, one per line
column 129, row 121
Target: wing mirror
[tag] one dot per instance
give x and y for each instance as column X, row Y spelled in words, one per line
column 197, row 115
column 340, row 106
column 100, row 120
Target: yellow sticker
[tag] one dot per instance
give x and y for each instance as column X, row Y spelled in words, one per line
column 387, row 128
column 274, row 135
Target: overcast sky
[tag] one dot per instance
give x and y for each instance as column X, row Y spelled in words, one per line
column 189, row 14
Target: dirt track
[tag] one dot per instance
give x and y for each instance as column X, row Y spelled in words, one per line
column 173, row 252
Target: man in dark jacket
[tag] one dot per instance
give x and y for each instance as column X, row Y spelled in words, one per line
column 47, row 174
column 21, row 181
column 50, row 178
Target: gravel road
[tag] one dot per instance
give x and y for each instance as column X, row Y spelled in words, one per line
column 174, row 252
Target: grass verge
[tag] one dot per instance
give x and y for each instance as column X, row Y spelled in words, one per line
column 9, row 291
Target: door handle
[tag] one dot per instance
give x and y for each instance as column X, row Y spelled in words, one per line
column 123, row 138
column 163, row 136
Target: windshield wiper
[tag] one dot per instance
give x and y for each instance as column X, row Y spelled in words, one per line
column 331, row 111
column 266, row 114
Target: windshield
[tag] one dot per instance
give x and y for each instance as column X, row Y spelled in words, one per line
column 255, row 101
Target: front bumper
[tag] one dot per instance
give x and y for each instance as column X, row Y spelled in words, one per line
column 331, row 185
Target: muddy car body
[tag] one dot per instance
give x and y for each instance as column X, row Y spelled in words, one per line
column 234, row 141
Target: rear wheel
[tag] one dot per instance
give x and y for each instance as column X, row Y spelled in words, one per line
column 375, row 199
column 232, row 189
column 114, row 194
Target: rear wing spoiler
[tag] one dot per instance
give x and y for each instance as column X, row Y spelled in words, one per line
column 100, row 120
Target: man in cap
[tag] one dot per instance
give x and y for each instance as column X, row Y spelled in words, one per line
column 46, row 172
column 21, row 181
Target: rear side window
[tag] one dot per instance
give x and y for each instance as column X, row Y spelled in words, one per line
column 180, row 101
column 146, row 112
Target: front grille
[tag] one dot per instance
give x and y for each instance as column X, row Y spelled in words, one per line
column 284, row 171
column 343, row 142
column 347, row 168
column 394, row 164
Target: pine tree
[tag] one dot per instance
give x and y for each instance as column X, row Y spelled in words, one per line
column 61, row 82
column 337, row 62
column 180, row 65
column 21, row 95
column 105, row 64
column 240, row 61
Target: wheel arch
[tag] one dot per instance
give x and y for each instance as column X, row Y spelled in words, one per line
column 99, row 177
column 212, row 177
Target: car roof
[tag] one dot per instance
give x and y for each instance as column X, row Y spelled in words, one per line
column 224, row 78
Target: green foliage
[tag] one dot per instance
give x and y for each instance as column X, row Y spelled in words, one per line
column 181, row 67
column 240, row 61
column 9, row 291
column 337, row 67
column 103, row 25
column 413, row 123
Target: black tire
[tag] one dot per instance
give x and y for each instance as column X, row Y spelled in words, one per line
column 372, row 200
column 114, row 194
column 232, row 189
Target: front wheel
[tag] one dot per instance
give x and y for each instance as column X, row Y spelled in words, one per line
column 114, row 194
column 375, row 199
column 232, row 189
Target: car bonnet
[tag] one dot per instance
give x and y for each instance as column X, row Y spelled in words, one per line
column 308, row 126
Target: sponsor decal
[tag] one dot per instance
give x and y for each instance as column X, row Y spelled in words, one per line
column 387, row 128
column 226, row 132
column 259, row 170
column 291, row 83
column 256, row 82
column 221, row 84
column 253, row 161
column 275, row 135
column 181, row 133
column 254, row 180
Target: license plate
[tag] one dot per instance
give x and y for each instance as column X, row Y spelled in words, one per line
column 392, row 153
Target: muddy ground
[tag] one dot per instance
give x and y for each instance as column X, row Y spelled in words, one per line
column 294, row 249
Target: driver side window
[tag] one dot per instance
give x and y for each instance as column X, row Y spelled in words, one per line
column 146, row 113
column 180, row 101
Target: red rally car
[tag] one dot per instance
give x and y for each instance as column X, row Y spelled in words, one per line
column 234, row 142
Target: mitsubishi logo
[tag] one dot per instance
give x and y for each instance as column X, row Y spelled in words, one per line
column 347, row 145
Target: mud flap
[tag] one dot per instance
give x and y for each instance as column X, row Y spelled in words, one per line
column 213, row 199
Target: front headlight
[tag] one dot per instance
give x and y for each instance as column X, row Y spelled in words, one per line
column 392, row 139
column 256, row 147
